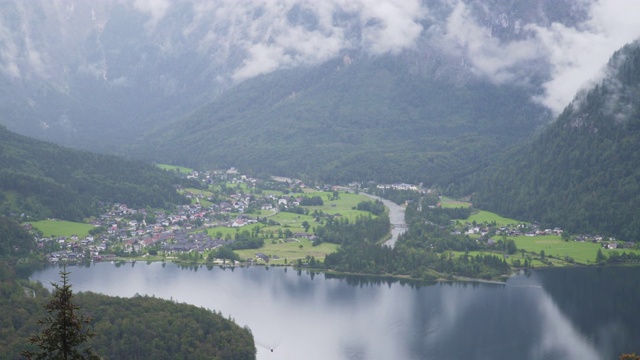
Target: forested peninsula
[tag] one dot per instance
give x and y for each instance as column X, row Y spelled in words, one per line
column 141, row 327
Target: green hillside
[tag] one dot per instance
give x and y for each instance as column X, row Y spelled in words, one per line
column 372, row 119
column 583, row 172
column 42, row 180
column 141, row 327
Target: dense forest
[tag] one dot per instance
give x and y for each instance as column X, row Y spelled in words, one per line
column 364, row 229
column 373, row 119
column 42, row 180
column 583, row 172
column 137, row 328
column 15, row 241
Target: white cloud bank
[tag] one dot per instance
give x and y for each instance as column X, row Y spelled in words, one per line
column 579, row 55
column 248, row 38
column 270, row 40
column 575, row 54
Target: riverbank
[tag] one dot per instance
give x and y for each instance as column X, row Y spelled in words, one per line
column 396, row 218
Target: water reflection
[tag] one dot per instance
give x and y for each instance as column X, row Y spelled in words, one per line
column 301, row 314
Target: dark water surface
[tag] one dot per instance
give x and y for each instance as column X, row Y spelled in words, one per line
column 584, row 313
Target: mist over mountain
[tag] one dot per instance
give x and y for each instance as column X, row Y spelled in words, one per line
column 582, row 173
column 99, row 74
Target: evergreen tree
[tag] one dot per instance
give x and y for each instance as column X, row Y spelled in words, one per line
column 64, row 332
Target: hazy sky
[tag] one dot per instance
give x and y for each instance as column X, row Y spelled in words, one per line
column 263, row 36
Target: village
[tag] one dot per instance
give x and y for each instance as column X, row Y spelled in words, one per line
column 242, row 202
column 123, row 232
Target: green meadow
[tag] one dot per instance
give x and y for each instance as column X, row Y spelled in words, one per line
column 556, row 250
column 179, row 169
column 195, row 200
column 291, row 251
column 485, row 216
column 51, row 228
column 581, row 252
column 447, row 202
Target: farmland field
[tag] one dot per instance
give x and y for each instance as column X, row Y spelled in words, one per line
column 179, row 169
column 291, row 251
column 581, row 252
column 51, row 228
column 489, row 217
column 447, row 202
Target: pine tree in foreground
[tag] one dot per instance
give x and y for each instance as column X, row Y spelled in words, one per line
column 64, row 333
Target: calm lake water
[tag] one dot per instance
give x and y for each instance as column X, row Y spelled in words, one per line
column 585, row 313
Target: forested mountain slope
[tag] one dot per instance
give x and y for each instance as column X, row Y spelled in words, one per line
column 352, row 118
column 42, row 180
column 583, row 172
column 126, row 328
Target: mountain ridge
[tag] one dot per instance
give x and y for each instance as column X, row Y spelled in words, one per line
column 41, row 180
column 330, row 118
column 582, row 172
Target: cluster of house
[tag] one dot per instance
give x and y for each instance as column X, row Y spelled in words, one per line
column 509, row 230
column 264, row 257
column 187, row 242
column 127, row 230
column 535, row 230
column 400, row 186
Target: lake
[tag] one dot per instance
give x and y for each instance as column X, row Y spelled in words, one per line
column 582, row 313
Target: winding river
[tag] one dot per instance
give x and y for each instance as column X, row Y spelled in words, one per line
column 396, row 217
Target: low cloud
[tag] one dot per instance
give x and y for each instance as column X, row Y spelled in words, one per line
column 395, row 25
column 287, row 33
column 559, row 58
column 578, row 55
column 155, row 9
column 8, row 53
column 243, row 39
column 573, row 55
column 489, row 56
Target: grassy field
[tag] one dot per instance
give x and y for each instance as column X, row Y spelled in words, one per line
column 489, row 217
column 179, row 169
column 552, row 245
column 293, row 222
column 555, row 251
column 289, row 251
column 198, row 192
column 51, row 228
column 581, row 252
column 447, row 202
column 195, row 200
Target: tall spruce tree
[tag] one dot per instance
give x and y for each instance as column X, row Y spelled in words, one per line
column 65, row 331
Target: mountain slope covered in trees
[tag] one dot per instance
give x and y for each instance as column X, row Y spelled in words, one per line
column 352, row 118
column 43, row 180
column 583, row 172
column 141, row 327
